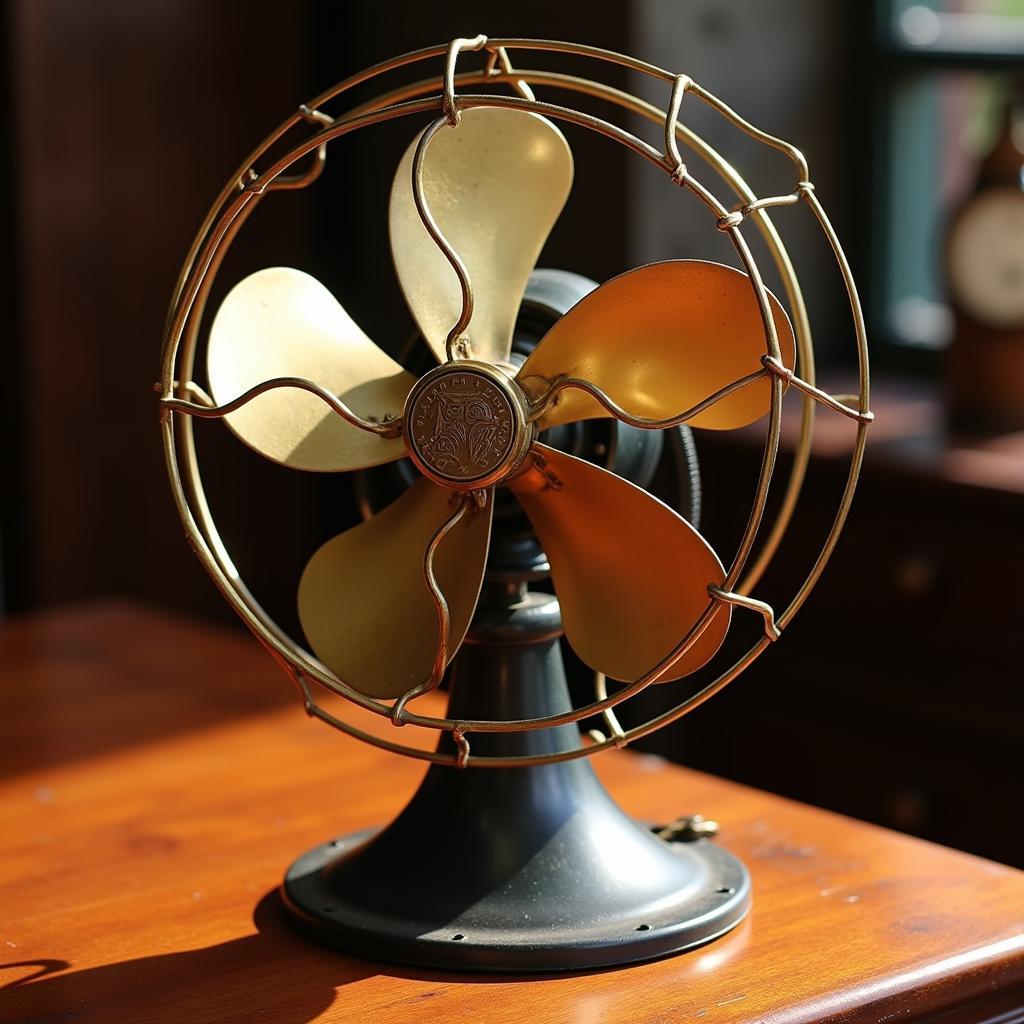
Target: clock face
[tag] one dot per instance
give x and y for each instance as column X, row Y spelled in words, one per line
column 986, row 258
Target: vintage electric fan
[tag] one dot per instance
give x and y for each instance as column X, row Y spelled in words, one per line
column 521, row 861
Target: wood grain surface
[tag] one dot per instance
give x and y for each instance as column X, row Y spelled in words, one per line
column 157, row 776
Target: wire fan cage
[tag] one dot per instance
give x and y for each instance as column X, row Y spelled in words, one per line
column 446, row 93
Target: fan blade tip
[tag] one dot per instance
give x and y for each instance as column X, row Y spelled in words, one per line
column 283, row 322
column 633, row 580
column 500, row 176
column 347, row 614
column 697, row 329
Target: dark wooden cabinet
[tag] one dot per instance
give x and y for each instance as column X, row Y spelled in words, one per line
column 895, row 695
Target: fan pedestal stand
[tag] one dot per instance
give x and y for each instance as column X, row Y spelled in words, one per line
column 515, row 869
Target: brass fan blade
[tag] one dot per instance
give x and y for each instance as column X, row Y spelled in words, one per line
column 281, row 322
column 495, row 186
column 631, row 575
column 363, row 601
column 658, row 340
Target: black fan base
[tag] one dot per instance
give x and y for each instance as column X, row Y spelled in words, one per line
column 515, row 869
column 534, row 923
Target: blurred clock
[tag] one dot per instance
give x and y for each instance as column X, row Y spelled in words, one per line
column 986, row 258
column 985, row 279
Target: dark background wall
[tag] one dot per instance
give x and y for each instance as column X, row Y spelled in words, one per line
column 125, row 120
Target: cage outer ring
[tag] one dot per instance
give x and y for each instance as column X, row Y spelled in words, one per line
column 217, row 233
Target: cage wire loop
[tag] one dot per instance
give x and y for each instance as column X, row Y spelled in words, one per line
column 763, row 608
column 616, row 734
column 673, row 159
column 740, row 213
column 234, row 206
column 455, row 47
column 789, row 376
column 462, row 744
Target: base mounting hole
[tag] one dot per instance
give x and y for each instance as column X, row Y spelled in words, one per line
column 643, row 928
column 458, row 937
column 725, row 890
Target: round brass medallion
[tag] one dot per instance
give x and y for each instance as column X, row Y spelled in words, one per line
column 461, row 426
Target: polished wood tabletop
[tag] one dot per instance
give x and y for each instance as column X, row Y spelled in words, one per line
column 158, row 775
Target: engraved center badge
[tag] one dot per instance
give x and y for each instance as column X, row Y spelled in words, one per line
column 461, row 426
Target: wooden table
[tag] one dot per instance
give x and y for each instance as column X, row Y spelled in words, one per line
column 158, row 776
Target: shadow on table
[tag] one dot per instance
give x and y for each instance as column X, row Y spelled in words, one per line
column 274, row 975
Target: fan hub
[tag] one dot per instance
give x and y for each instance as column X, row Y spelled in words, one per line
column 467, row 425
